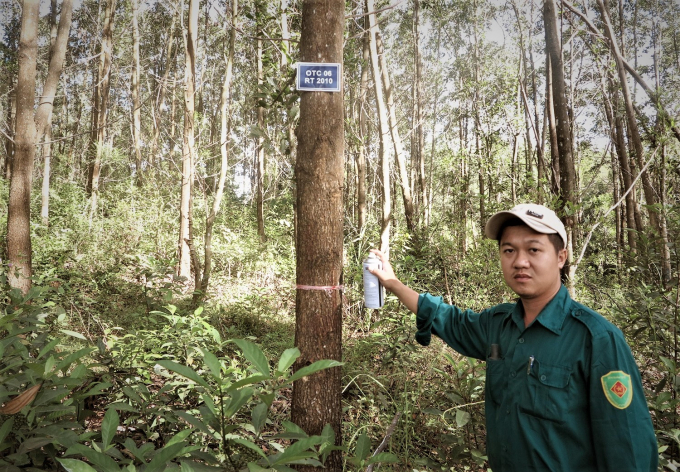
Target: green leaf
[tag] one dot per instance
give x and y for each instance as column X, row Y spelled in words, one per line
column 71, row 358
column 165, row 455
column 462, row 418
column 193, row 421
column 259, row 416
column 385, row 457
column 47, row 348
column 6, row 428
column 328, row 435
column 213, row 364
column 98, row 389
column 184, row 371
column 74, row 334
column 315, row 367
column 249, row 445
column 363, row 447
column 73, row 465
column 247, row 381
column 109, row 426
column 99, row 459
column 181, row 436
column 254, row 354
column 238, row 399
column 34, row 443
column 288, row 358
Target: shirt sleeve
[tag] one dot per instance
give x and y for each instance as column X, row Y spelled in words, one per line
column 622, row 427
column 463, row 330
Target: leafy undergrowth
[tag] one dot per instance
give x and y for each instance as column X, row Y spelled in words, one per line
column 151, row 384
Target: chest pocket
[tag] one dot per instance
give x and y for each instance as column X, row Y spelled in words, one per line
column 548, row 392
column 495, row 380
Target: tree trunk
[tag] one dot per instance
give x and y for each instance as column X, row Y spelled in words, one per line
column 361, row 155
column 418, row 116
column 185, row 212
column 100, row 104
column 650, row 197
column 396, row 138
column 11, row 123
column 319, row 175
column 563, row 128
column 259, row 190
column 163, row 86
column 136, row 103
column 19, row 208
column 225, row 102
column 384, row 131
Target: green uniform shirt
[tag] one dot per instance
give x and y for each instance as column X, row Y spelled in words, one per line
column 564, row 393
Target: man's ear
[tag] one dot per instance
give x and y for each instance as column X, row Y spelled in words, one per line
column 561, row 258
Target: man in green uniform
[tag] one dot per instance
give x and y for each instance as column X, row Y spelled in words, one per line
column 563, row 392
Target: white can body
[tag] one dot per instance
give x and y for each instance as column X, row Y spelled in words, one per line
column 374, row 293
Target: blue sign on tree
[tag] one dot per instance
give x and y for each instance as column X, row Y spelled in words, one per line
column 318, row 77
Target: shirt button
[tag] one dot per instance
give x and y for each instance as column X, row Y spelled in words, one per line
column 507, row 412
column 512, row 374
column 521, row 340
column 543, row 378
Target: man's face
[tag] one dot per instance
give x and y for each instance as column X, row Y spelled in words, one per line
column 531, row 266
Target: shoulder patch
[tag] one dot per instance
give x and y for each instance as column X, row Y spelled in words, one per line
column 596, row 323
column 502, row 309
column 618, row 389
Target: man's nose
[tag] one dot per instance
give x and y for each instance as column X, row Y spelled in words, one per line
column 521, row 260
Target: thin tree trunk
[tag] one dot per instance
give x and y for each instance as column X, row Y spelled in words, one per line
column 650, row 197
column 563, row 127
column 163, row 86
column 185, row 215
column 384, row 131
column 10, row 120
column 363, row 118
column 225, row 102
column 19, row 250
column 260, row 138
column 136, row 103
column 317, row 400
column 550, row 111
column 396, row 138
column 419, row 128
column 100, row 105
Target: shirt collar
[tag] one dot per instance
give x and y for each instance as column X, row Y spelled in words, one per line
column 551, row 316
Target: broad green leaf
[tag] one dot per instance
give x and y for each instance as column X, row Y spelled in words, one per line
column 34, row 443
column 298, row 450
column 74, row 334
column 71, row 358
column 313, row 368
column 259, row 416
column 293, row 428
column 253, row 353
column 385, row 457
column 249, row 445
column 73, row 465
column 247, row 381
column 109, row 426
column 99, row 459
column 6, row 428
column 179, row 437
column 254, row 467
column 165, row 455
column 238, row 399
column 288, row 358
column 97, row 389
column 48, row 347
column 363, row 447
column 193, row 421
column 462, row 418
column 328, row 435
column 122, row 406
column 213, row 363
column 184, row 371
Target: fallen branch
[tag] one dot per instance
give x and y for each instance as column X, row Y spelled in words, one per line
column 388, row 435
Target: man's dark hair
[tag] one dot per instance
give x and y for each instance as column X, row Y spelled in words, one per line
column 554, row 238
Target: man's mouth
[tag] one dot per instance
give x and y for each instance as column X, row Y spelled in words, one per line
column 522, row 277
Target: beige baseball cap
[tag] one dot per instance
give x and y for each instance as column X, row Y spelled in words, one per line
column 536, row 217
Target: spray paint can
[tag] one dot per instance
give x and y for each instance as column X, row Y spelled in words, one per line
column 374, row 293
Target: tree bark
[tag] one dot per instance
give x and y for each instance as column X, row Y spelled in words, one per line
column 259, row 190
column 319, row 175
column 418, row 115
column 363, row 130
column 100, row 106
column 568, row 197
column 19, row 251
column 136, row 103
column 163, row 86
column 396, row 138
column 384, row 131
column 185, row 212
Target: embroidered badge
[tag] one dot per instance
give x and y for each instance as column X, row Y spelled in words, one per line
column 618, row 389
